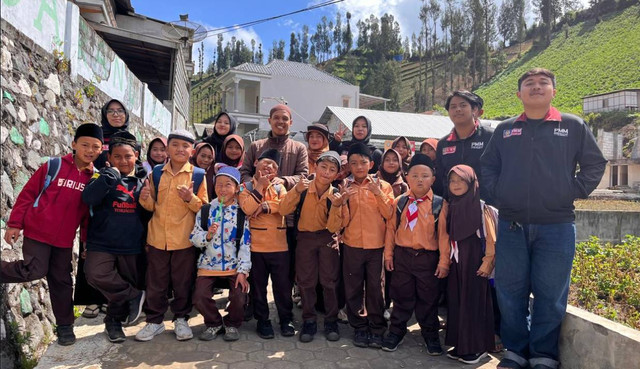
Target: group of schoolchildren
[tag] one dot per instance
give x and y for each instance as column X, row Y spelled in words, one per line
column 350, row 225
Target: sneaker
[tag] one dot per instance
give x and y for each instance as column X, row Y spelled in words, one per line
column 113, row 329
column 295, row 296
column 342, row 317
column 135, row 309
column 210, row 333
column 309, row 329
column 264, row 329
column 65, row 334
column 361, row 339
column 472, row 358
column 149, row 331
column 182, row 330
column 331, row 331
column 287, row 329
column 453, row 354
column 218, row 291
column 433, row 347
column 387, row 314
column 231, row 334
column 391, row 342
column 375, row 340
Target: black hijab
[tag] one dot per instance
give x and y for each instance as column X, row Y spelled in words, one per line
column 216, row 140
column 465, row 212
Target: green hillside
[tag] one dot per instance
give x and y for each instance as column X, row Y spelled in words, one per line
column 594, row 58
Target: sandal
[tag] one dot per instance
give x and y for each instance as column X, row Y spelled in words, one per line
column 91, row 311
column 508, row 364
column 499, row 347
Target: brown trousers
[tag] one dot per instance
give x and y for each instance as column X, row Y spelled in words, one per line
column 415, row 287
column 363, row 268
column 206, row 305
column 317, row 261
column 176, row 267
column 116, row 277
column 276, row 265
column 43, row 260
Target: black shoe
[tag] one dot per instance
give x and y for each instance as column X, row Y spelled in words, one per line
column 287, row 329
column 433, row 347
column 375, row 340
column 113, row 329
column 391, row 342
column 65, row 334
column 265, row 330
column 135, row 308
column 475, row 358
column 309, row 329
column 331, row 331
column 453, row 354
column 361, row 339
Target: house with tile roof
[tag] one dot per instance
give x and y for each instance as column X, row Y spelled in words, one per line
column 251, row 90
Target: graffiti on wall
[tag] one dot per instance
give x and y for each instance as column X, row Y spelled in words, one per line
column 42, row 20
column 156, row 115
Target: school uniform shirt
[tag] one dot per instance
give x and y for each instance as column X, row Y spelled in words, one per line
column 424, row 235
column 269, row 229
column 364, row 215
column 115, row 226
column 173, row 218
column 314, row 214
column 220, row 257
column 452, row 150
column 60, row 209
column 529, row 167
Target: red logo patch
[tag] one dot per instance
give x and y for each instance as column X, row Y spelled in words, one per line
column 448, row 150
column 125, row 190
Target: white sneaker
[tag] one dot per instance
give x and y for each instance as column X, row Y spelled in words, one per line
column 182, row 329
column 149, row 331
column 387, row 314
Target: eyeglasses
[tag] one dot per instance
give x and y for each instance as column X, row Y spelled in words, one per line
column 114, row 112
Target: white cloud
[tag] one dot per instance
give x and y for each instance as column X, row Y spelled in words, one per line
column 404, row 11
column 211, row 42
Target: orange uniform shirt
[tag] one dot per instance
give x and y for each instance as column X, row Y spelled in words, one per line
column 314, row 215
column 269, row 229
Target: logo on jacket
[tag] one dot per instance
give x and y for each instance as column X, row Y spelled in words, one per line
column 511, row 132
column 562, row 132
column 123, row 189
column 448, row 150
column 477, row 145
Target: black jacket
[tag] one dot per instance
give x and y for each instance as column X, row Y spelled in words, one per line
column 452, row 151
column 529, row 167
column 116, row 225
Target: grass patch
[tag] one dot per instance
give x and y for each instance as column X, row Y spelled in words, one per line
column 605, row 279
column 611, row 205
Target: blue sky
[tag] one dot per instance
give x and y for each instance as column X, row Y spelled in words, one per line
column 219, row 13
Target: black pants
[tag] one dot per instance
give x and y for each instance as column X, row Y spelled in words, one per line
column 276, row 265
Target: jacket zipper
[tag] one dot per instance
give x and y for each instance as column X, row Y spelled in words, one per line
column 222, row 237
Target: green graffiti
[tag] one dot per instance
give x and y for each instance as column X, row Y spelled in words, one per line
column 16, row 137
column 25, row 302
column 138, row 137
column 11, row 2
column 118, row 73
column 50, row 9
column 44, row 127
column 8, row 96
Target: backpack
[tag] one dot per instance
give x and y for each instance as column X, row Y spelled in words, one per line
column 53, row 169
column 197, row 177
column 303, row 195
column 436, row 206
column 240, row 217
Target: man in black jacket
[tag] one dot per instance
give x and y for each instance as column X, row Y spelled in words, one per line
column 466, row 142
column 529, row 168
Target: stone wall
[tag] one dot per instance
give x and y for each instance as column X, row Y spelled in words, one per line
column 41, row 107
column 608, row 226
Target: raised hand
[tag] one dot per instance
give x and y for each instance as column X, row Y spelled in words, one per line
column 347, row 192
column 213, row 228
column 186, row 193
column 303, row 184
column 374, row 186
column 337, row 199
column 263, row 181
column 340, row 133
column 145, row 193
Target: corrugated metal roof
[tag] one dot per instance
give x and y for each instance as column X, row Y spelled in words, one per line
column 394, row 124
column 291, row 69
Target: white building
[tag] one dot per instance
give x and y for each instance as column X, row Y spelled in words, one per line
column 251, row 90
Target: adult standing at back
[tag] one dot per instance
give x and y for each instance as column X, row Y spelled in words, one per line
column 224, row 125
column 361, row 130
column 466, row 142
column 529, row 167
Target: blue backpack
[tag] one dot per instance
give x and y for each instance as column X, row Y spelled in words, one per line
column 197, row 177
column 53, row 168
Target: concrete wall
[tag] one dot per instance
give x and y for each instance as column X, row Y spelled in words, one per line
column 610, row 226
column 588, row 341
column 307, row 99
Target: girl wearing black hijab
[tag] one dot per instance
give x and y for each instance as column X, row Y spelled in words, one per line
column 224, row 125
column 471, row 228
column 361, row 133
column 115, row 118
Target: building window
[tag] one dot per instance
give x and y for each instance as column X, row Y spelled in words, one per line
column 605, row 103
column 345, row 102
column 624, row 175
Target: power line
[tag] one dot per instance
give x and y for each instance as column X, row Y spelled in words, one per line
column 222, row 30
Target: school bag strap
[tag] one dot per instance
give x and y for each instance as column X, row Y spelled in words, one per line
column 197, row 177
column 240, row 218
column 53, row 169
column 204, row 216
column 436, row 206
column 303, row 195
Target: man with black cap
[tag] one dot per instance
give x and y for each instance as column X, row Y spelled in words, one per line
column 260, row 200
column 466, row 142
column 49, row 209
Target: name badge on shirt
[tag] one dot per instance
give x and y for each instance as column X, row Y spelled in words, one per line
column 448, row 150
column 511, row 132
column 477, row 145
column 562, row 132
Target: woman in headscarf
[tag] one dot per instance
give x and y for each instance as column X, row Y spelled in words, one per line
column 361, row 132
column 114, row 118
column 391, row 171
column 156, row 154
column 223, row 126
column 428, row 147
column 204, row 157
column 403, row 146
column 471, row 228
column 317, row 138
column 232, row 152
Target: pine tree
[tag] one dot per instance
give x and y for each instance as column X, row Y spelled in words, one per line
column 304, row 45
column 347, row 38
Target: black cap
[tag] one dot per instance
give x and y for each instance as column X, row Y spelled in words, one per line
column 89, row 130
column 421, row 159
column 272, row 154
column 360, row 149
column 123, row 137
